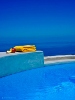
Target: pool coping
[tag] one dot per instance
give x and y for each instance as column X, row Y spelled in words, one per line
column 48, row 60
column 58, row 59
column 4, row 54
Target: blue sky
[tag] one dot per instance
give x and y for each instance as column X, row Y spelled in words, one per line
column 37, row 18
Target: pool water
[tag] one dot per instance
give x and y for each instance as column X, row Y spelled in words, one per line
column 53, row 82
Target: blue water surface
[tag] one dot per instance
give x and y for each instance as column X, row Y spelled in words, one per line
column 53, row 82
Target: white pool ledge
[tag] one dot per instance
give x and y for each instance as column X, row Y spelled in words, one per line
column 16, row 62
column 48, row 60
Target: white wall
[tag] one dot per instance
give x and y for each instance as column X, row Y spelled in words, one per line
column 24, row 61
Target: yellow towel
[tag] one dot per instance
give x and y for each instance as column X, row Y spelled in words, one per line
column 25, row 48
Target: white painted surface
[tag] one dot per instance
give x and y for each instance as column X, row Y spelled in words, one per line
column 17, row 62
column 58, row 59
column 3, row 54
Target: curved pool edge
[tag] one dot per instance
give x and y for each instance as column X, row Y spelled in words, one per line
column 18, row 62
column 59, row 59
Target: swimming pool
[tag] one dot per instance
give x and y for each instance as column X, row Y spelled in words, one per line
column 53, row 82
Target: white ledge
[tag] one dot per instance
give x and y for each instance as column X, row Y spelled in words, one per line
column 58, row 59
column 3, row 54
column 17, row 62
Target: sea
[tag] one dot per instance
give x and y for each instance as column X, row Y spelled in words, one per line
column 50, row 47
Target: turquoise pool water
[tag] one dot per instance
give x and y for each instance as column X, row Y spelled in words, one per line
column 54, row 82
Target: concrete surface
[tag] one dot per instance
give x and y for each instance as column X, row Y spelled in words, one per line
column 17, row 62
